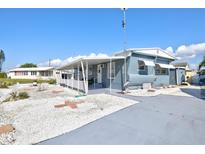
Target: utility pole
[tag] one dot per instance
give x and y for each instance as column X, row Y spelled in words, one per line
column 124, row 28
column 124, row 47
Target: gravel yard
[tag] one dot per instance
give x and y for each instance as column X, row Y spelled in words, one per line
column 176, row 91
column 36, row 119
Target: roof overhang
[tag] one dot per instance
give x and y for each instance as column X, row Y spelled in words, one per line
column 90, row 60
column 32, row 69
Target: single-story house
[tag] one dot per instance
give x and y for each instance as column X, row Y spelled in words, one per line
column 45, row 73
column 125, row 69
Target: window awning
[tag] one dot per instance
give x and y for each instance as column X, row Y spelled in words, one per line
column 148, row 62
column 165, row 65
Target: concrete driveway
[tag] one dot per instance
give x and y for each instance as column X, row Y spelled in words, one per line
column 162, row 119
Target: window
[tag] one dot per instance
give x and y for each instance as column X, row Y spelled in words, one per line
column 142, row 68
column 63, row 76
column 33, row 73
column 112, row 75
column 160, row 71
column 141, row 65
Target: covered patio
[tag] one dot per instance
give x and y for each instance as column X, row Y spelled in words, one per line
column 86, row 73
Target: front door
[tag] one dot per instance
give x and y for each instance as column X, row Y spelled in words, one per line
column 99, row 74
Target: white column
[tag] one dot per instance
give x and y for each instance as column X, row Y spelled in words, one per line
column 73, row 76
column 78, row 77
column 83, row 72
column 110, row 75
column 125, row 65
column 86, row 77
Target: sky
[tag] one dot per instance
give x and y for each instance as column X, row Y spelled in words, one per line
column 37, row 35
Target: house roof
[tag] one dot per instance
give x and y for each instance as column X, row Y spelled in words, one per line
column 90, row 60
column 155, row 52
column 31, row 69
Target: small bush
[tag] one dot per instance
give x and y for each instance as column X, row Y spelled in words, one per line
column 3, row 85
column 52, row 81
column 3, row 75
column 14, row 96
column 23, row 95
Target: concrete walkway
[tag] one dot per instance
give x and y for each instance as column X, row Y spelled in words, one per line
column 162, row 119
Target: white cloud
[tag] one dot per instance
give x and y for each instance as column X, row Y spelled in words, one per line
column 190, row 51
column 58, row 62
column 185, row 52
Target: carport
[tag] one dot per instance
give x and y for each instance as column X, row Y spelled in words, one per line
column 80, row 68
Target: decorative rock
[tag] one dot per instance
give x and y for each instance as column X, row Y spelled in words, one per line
column 6, row 129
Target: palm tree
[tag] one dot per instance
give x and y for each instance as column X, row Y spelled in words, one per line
column 202, row 63
column 2, row 58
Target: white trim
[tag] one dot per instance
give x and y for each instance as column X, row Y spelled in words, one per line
column 31, row 69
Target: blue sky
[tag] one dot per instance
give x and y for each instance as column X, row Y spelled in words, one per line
column 35, row 35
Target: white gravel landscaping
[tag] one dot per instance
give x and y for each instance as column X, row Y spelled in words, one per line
column 36, row 119
column 176, row 91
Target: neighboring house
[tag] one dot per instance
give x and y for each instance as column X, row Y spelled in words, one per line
column 188, row 72
column 32, row 73
column 128, row 69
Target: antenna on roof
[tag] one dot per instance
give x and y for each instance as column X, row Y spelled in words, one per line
column 124, row 28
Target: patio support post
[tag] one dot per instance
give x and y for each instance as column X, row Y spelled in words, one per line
column 59, row 77
column 125, row 65
column 86, row 77
column 83, row 72
column 110, row 75
column 78, row 77
column 72, row 76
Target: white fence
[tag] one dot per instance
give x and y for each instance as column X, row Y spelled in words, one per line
column 75, row 84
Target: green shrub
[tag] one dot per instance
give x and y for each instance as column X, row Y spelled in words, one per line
column 10, row 82
column 23, row 95
column 3, row 75
column 52, row 81
column 14, row 96
column 3, row 85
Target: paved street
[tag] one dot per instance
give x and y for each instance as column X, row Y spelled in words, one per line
column 162, row 119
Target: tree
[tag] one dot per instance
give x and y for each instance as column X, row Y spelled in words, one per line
column 2, row 59
column 26, row 65
column 202, row 63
